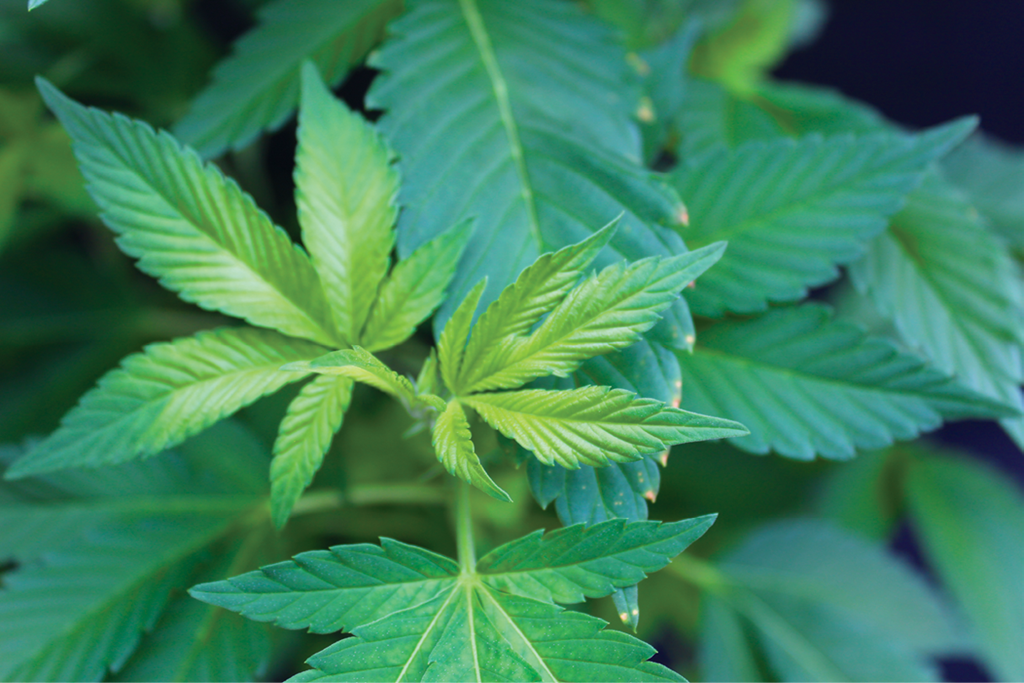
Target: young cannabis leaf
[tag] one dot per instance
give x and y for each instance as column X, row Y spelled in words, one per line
column 417, row 615
column 548, row 322
column 205, row 239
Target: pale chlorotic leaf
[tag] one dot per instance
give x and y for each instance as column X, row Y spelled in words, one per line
column 739, row 53
column 453, row 444
column 415, row 287
column 970, row 521
column 195, row 641
column 170, row 391
column 110, row 589
column 806, row 385
column 537, row 140
column 539, row 288
column 577, row 562
column 345, row 192
column 359, row 364
column 606, row 312
column 339, row 589
column 951, row 289
column 191, row 227
column 594, row 425
column 793, row 211
column 312, row 419
column 815, row 561
column 451, row 345
column 257, row 87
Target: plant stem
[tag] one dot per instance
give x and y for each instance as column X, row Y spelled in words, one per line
column 368, row 494
column 464, row 530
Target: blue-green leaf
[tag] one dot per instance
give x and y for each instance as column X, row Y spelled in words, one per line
column 257, row 87
column 970, row 521
column 523, row 120
column 793, row 211
column 806, row 385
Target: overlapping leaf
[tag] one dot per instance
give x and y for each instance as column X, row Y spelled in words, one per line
column 594, row 425
column 345, row 189
column 711, row 117
column 113, row 551
column 605, row 312
column 992, row 175
column 169, row 392
column 826, row 605
column 453, row 444
column 805, row 385
column 794, row 210
column 194, row 641
column 949, row 286
column 257, row 87
column 305, row 434
column 416, row 616
column 971, row 525
column 361, row 365
column 580, row 561
column 547, row 324
column 191, row 227
column 524, row 120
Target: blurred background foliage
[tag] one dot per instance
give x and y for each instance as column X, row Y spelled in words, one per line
column 902, row 564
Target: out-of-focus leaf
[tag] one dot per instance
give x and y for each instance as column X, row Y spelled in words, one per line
column 970, row 520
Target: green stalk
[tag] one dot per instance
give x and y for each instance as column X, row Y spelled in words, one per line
column 464, row 530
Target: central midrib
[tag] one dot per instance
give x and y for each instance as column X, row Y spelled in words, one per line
column 482, row 41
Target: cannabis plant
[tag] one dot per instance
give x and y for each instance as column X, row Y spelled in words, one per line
column 552, row 243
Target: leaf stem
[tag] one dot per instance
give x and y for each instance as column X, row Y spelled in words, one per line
column 464, row 530
column 368, row 494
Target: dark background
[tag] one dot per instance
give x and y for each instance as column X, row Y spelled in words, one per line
column 922, row 63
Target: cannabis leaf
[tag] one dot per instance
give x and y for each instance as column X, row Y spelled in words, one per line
column 548, row 322
column 170, row 391
column 991, row 174
column 191, row 227
column 204, row 238
column 257, row 87
column 794, row 210
column 415, row 615
column 925, row 275
column 536, row 138
column 808, row 385
column 957, row 503
column 823, row 604
column 116, row 549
